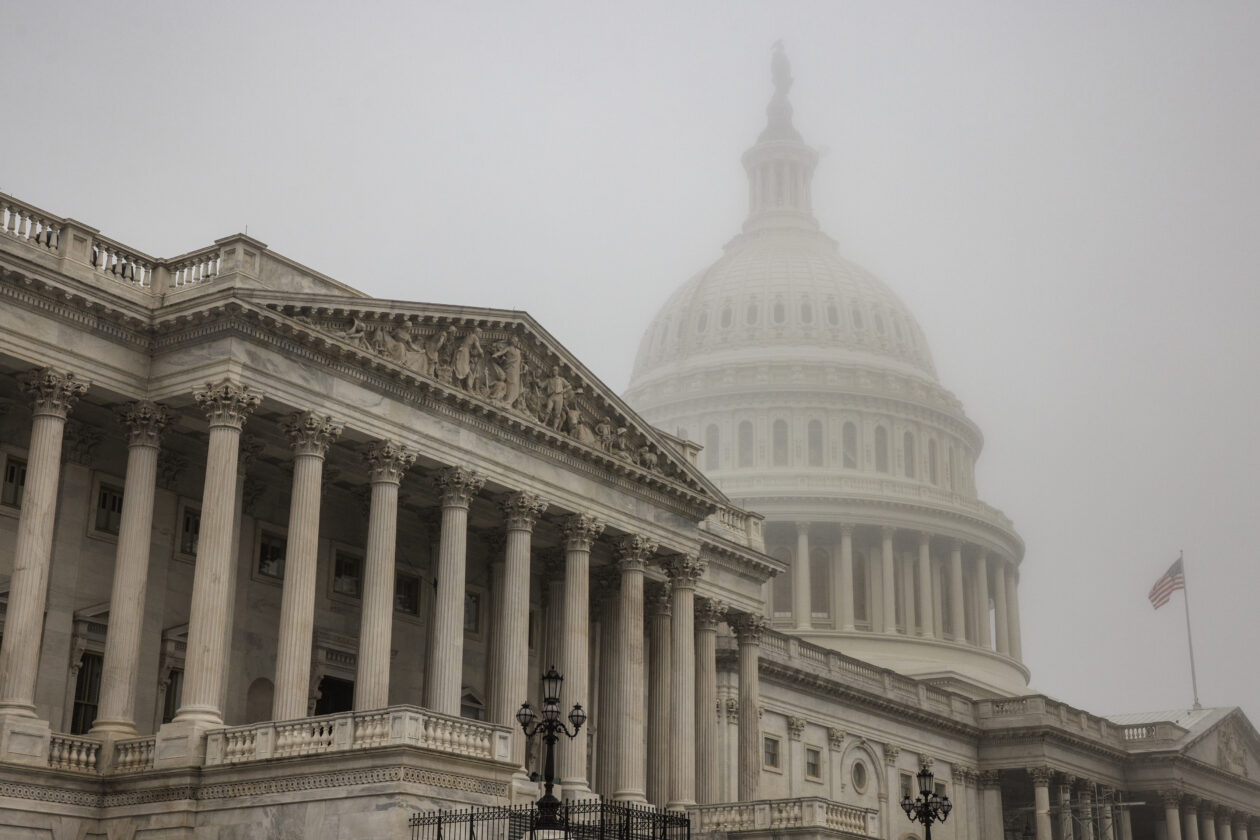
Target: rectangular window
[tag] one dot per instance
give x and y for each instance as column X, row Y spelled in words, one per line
column 347, row 574
column 406, row 593
column 109, row 501
column 770, row 752
column 87, row 693
column 271, row 554
column 14, row 485
column 813, row 763
column 472, row 613
column 174, row 695
column 907, row 786
column 189, row 530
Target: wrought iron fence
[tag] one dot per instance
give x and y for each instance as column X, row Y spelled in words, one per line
column 591, row 819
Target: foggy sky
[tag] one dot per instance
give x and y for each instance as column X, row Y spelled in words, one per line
column 1066, row 194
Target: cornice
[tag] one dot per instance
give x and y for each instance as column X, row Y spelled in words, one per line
column 87, row 312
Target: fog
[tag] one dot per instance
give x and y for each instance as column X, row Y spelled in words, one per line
column 1066, row 194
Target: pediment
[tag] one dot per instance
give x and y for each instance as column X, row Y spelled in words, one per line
column 1231, row 743
column 498, row 363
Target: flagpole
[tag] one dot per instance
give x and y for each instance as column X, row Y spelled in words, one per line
column 1185, row 593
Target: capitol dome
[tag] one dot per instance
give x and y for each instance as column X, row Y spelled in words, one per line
column 811, row 389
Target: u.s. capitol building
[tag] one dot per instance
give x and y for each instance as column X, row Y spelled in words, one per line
column 282, row 560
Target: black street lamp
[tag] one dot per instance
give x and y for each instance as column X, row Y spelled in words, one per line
column 928, row 807
column 550, row 726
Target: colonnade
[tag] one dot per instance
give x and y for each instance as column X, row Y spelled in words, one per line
column 915, row 583
column 681, row 765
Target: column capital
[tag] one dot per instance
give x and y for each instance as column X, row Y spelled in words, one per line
column 1084, row 787
column 1190, row 802
column 748, row 627
column 227, row 403
column 709, row 613
column 457, row 485
column 1207, row 809
column 835, row 738
column 802, row 527
column 633, row 551
column 846, row 530
column 1239, row 820
column 1067, row 780
column 732, row 709
column 387, row 461
column 521, row 510
column 887, row 531
column 684, row 570
column 658, row 598
column 891, row 753
column 1171, row 797
column 311, row 433
column 580, row 530
column 955, row 544
column 925, row 538
column 926, row 760
column 145, row 421
column 989, row 778
column 52, row 391
column 1040, row 775
column 796, row 727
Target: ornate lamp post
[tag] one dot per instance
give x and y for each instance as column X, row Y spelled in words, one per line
column 928, row 807
column 550, row 726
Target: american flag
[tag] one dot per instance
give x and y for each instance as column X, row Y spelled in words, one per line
column 1173, row 579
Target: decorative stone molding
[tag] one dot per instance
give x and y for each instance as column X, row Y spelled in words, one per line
column 633, row 551
column 521, row 511
column 387, row 461
column 835, row 738
column 170, row 469
column 926, row 761
column 79, row 442
column 748, row 627
column 311, row 433
column 51, row 391
column 709, row 613
column 658, row 599
column 1040, row 775
column 227, row 403
column 684, row 570
column 145, row 421
column 251, row 450
column 253, row 491
column 580, row 530
column 796, row 727
column 458, row 485
column 989, row 779
column 891, row 753
column 732, row 709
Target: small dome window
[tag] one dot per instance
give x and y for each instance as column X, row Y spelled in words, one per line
column 702, row 322
column 751, row 317
column 780, row 312
column 833, row 315
column 857, row 319
column 879, row 324
column 859, row 777
column 727, row 317
column 807, row 313
column 897, row 327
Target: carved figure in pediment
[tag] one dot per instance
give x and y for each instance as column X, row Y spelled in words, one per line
column 1230, row 752
column 604, row 431
column 466, row 358
column 647, row 458
column 621, row 444
column 394, row 344
column 505, row 370
column 577, row 427
column 357, row 333
column 557, row 390
column 435, row 351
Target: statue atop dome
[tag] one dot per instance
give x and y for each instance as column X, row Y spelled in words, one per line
column 779, row 111
column 780, row 70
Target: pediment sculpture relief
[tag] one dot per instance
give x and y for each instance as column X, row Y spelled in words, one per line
column 1229, row 748
column 503, row 370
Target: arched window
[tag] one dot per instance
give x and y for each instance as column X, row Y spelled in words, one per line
column 879, row 323
column 807, row 313
column 711, row 447
column 746, row 444
column 820, row 583
column 780, row 443
column 881, row 449
column 850, row 447
column 781, row 589
column 861, row 610
column 702, row 322
column 751, row 315
column 780, row 312
column 857, row 318
column 907, row 445
column 815, row 443
column 933, row 474
column 833, row 315
column 726, row 316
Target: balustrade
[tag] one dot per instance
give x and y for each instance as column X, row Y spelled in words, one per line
column 112, row 259
column 780, row 814
column 196, row 267
column 70, row 752
column 28, row 224
column 134, row 755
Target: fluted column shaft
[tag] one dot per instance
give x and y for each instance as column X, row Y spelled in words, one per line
column 387, row 461
column 1172, row 813
column 1190, row 819
column 748, row 630
column 708, row 779
column 53, row 394
column 957, row 619
column 119, row 670
column 991, row 793
column 985, row 639
column 890, row 582
column 1207, row 822
column 802, row 609
column 1041, row 802
column 606, row 603
column 632, row 552
column 684, row 571
column 658, row 699
column 511, row 626
column 1000, row 619
column 925, row 586
column 844, row 587
column 580, row 531
column 227, row 405
column 457, row 486
column 1012, row 612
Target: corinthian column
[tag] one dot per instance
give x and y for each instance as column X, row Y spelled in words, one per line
column 52, row 394
column 748, row 630
column 117, row 712
column 708, row 781
column 511, row 626
column 387, row 461
column 632, row 553
column 684, row 571
column 802, row 606
column 442, row 685
column 580, row 531
column 844, row 589
column 1172, row 812
column 890, row 581
column 658, row 697
column 927, row 628
column 957, row 620
column 227, row 406
column 1041, row 802
column 310, row 435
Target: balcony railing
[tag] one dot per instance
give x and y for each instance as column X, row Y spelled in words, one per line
column 780, row 814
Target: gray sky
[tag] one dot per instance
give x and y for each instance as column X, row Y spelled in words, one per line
column 1066, row 193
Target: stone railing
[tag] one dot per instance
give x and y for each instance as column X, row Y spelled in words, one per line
column 29, row 224
column 73, row 753
column 780, row 814
column 740, row 527
column 195, row 267
column 134, row 754
column 1040, row 711
column 395, row 726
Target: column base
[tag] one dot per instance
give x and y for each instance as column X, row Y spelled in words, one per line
column 631, row 797
column 24, row 740
column 578, row 790
column 113, row 729
column 182, row 743
column 679, row 806
column 523, row 790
